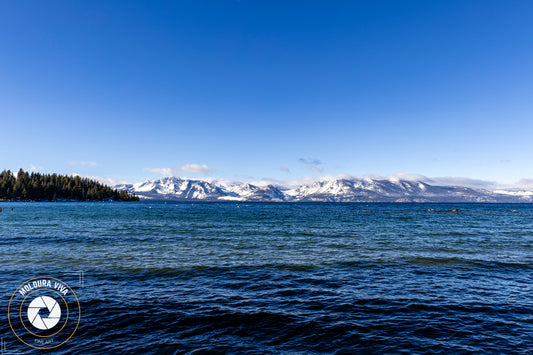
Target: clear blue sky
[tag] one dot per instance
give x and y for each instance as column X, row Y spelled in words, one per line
column 267, row 89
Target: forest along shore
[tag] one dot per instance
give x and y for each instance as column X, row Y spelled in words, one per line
column 33, row 186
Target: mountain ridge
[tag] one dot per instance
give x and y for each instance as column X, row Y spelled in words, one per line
column 329, row 190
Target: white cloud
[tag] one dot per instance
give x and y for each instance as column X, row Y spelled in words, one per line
column 440, row 181
column 245, row 177
column 103, row 180
column 36, row 168
column 194, row 168
column 285, row 169
column 305, row 180
column 523, row 184
column 162, row 171
column 83, row 163
column 190, row 168
column 222, row 182
column 462, row 181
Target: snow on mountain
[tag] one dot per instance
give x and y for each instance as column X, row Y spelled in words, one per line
column 173, row 188
column 251, row 192
column 332, row 189
column 368, row 190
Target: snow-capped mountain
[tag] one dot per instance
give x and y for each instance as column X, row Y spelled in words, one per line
column 173, row 188
column 368, row 190
column 336, row 189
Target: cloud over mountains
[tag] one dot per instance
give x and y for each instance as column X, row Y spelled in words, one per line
column 191, row 168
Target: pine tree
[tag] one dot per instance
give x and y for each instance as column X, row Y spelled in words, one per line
column 41, row 187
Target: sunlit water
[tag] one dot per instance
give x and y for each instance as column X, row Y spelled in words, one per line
column 279, row 278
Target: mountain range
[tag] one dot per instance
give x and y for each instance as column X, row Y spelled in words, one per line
column 326, row 190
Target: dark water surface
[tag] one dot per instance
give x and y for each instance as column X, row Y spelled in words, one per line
column 279, row 278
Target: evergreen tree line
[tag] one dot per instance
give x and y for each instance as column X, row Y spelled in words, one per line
column 52, row 187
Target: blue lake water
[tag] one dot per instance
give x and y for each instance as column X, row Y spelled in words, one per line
column 261, row 278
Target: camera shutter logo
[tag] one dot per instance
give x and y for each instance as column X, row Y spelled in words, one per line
column 44, row 312
column 44, row 302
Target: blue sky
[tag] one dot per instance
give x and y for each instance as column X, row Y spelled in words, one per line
column 131, row 90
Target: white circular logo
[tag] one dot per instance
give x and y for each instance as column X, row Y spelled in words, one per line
column 44, row 312
column 35, row 315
